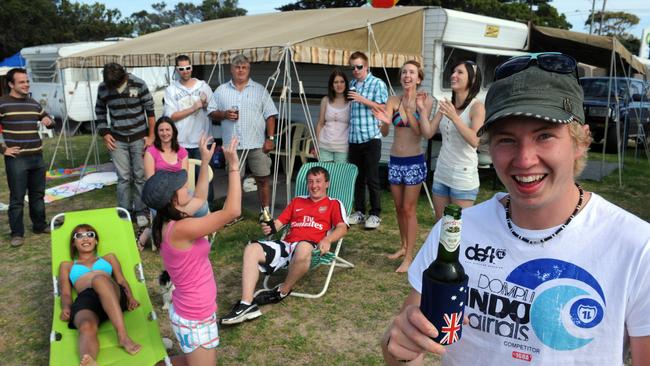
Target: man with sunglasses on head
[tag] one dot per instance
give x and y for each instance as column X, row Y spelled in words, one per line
column 366, row 92
column 557, row 275
column 186, row 102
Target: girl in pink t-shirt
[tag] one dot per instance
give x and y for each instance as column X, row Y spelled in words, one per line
column 185, row 252
column 165, row 153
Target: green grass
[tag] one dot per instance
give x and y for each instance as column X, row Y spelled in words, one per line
column 342, row 328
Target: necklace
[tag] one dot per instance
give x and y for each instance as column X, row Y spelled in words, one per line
column 543, row 240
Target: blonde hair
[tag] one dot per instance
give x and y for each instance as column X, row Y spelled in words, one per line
column 581, row 139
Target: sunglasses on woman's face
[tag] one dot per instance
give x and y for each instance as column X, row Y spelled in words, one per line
column 184, row 68
column 550, row 61
column 84, row 234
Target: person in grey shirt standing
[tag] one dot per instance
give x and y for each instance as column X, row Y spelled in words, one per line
column 130, row 105
column 246, row 111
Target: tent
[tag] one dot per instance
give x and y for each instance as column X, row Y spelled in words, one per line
column 602, row 51
column 263, row 37
column 7, row 64
column 389, row 36
column 12, row 61
column 589, row 48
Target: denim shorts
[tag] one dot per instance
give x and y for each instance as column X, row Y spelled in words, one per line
column 440, row 189
column 410, row 170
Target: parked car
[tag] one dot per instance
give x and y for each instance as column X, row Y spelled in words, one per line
column 629, row 104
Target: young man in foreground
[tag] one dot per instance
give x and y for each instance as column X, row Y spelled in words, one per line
column 570, row 274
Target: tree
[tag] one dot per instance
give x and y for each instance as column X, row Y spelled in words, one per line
column 84, row 22
column 37, row 22
column 616, row 24
column 540, row 12
column 217, row 9
column 613, row 22
column 183, row 13
column 320, row 4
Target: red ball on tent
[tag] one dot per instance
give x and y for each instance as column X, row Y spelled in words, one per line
column 383, row 3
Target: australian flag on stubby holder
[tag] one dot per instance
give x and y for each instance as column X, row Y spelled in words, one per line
column 443, row 304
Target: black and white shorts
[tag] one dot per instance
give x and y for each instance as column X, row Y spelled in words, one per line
column 278, row 253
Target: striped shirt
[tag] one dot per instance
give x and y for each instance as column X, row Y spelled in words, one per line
column 127, row 110
column 255, row 107
column 363, row 125
column 19, row 118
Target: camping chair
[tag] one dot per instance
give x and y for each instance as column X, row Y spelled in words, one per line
column 192, row 166
column 44, row 131
column 341, row 188
column 116, row 232
column 300, row 144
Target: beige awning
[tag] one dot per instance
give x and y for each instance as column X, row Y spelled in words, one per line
column 586, row 48
column 322, row 36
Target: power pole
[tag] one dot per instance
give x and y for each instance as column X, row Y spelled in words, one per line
column 602, row 18
column 593, row 7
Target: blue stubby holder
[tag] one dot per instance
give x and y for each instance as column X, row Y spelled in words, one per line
column 218, row 160
column 443, row 304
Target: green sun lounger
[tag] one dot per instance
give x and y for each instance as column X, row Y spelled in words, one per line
column 116, row 236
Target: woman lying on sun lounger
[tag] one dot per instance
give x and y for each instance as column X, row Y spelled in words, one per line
column 103, row 293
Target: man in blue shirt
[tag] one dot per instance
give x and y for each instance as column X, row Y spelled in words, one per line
column 366, row 93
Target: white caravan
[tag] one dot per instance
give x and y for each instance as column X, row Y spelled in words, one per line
column 448, row 37
column 74, row 90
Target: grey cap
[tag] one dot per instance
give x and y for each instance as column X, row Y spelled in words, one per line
column 160, row 188
column 535, row 93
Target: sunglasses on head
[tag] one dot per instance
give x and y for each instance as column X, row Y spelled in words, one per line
column 184, row 68
column 357, row 67
column 84, row 234
column 550, row 61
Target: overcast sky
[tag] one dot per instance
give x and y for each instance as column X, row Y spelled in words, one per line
column 576, row 11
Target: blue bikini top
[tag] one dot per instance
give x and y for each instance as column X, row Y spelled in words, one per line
column 79, row 270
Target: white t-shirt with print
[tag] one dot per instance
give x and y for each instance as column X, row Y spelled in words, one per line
column 565, row 302
column 177, row 98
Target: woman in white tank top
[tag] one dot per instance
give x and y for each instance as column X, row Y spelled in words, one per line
column 455, row 179
column 334, row 120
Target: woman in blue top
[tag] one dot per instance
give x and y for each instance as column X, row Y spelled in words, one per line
column 409, row 116
column 103, row 293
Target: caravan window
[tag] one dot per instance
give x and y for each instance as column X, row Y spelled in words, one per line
column 79, row 74
column 489, row 64
column 43, row 71
column 453, row 56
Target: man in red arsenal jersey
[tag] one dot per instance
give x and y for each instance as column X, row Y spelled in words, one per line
column 315, row 221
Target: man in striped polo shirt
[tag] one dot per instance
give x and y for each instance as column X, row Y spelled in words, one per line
column 366, row 93
column 19, row 117
column 130, row 105
column 245, row 110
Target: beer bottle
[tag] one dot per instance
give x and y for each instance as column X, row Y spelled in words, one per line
column 444, row 283
column 268, row 219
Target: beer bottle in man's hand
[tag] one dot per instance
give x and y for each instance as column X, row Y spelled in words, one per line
column 268, row 219
column 444, row 283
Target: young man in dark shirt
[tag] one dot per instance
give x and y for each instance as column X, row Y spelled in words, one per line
column 23, row 152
